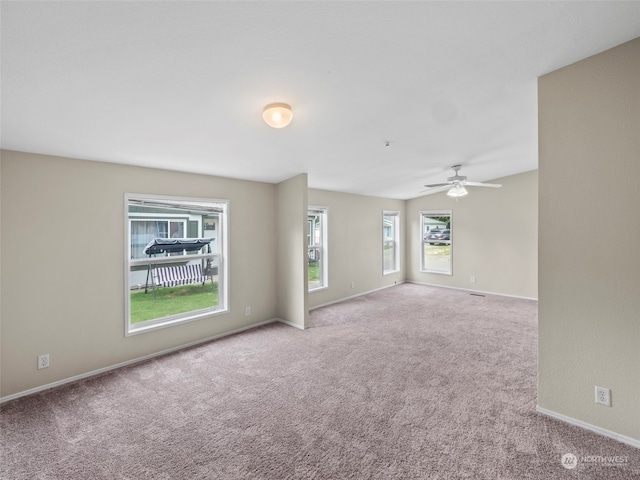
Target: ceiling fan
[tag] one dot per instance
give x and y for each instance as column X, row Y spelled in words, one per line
column 456, row 184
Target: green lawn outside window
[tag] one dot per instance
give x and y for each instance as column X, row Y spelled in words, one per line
column 171, row 301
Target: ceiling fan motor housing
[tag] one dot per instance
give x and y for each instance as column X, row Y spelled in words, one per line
column 456, row 177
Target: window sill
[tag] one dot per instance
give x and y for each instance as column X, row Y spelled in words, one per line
column 170, row 322
column 435, row 272
column 324, row 287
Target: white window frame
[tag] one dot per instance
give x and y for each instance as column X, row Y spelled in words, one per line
column 324, row 250
column 221, row 256
column 395, row 241
column 432, row 213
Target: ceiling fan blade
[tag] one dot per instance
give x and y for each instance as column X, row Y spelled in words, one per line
column 433, row 185
column 479, row 184
column 439, row 188
column 456, row 181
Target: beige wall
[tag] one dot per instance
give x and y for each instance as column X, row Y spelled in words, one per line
column 62, row 276
column 1, row 309
column 63, row 264
column 292, row 251
column 63, row 260
column 589, row 323
column 494, row 233
column 355, row 244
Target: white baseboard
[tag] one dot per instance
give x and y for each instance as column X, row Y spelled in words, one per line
column 291, row 324
column 593, row 428
column 482, row 292
column 100, row 371
column 356, row 295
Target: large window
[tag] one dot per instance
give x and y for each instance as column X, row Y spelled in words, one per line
column 390, row 242
column 317, row 247
column 176, row 262
column 436, row 244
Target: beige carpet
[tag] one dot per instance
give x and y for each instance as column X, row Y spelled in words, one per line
column 411, row 382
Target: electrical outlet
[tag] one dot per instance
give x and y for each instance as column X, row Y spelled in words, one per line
column 603, row 396
column 247, row 311
column 353, row 284
column 43, row 361
column 473, row 279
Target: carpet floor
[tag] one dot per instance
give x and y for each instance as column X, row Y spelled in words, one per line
column 410, row 382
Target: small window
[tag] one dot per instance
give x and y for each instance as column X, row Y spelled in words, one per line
column 176, row 260
column 317, row 247
column 390, row 242
column 436, row 242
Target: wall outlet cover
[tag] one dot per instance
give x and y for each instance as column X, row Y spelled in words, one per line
column 603, row 396
column 43, row 361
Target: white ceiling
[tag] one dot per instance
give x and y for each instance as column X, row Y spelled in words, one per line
column 181, row 85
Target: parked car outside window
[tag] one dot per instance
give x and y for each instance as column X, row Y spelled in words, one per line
column 438, row 236
column 431, row 232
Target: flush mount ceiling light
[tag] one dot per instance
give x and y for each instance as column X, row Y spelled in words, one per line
column 457, row 191
column 277, row 115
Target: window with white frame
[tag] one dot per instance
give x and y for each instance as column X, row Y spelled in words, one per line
column 390, row 242
column 436, row 237
column 176, row 261
column 317, row 247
